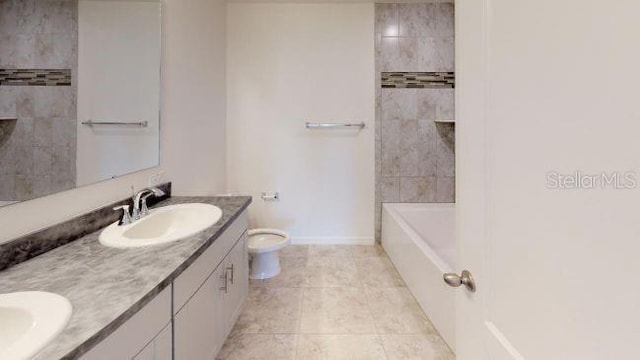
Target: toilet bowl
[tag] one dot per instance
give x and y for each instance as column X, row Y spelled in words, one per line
column 263, row 247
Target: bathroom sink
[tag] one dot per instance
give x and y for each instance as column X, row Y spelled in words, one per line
column 162, row 225
column 30, row 320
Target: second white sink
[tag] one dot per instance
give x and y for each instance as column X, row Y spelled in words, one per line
column 30, row 320
column 162, row 225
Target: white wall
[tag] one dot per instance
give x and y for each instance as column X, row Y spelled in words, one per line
column 192, row 125
column 118, row 80
column 291, row 63
column 194, row 99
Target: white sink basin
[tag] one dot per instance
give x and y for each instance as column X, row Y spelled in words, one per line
column 162, row 225
column 29, row 321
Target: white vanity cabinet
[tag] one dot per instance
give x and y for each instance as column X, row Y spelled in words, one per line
column 205, row 312
column 203, row 302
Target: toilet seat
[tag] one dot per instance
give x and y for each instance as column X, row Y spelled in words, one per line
column 267, row 240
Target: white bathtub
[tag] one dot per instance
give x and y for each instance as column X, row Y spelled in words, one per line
column 420, row 240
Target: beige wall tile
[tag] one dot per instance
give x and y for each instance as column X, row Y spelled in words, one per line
column 386, row 19
column 413, row 37
column 445, row 150
column 407, row 54
column 445, row 108
column 390, row 189
column 446, row 190
column 427, row 104
column 426, row 148
column 415, row 20
column 418, row 189
column 409, row 148
column 390, row 148
column 444, row 15
column 399, row 104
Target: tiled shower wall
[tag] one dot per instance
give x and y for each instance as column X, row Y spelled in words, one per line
column 414, row 153
column 38, row 150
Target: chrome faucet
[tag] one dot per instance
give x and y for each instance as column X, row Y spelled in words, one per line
column 140, row 208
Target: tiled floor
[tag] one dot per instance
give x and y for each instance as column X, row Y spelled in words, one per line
column 333, row 303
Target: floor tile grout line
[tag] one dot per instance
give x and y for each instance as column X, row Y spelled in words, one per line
column 384, row 349
column 298, row 328
column 375, row 325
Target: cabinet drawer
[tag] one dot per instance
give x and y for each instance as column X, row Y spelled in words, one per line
column 190, row 280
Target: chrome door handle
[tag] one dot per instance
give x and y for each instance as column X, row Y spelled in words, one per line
column 455, row 280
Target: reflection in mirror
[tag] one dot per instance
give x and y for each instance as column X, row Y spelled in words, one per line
column 79, row 93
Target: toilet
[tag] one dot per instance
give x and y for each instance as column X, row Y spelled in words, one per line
column 263, row 247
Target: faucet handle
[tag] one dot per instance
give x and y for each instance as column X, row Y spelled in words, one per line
column 144, row 209
column 126, row 217
column 157, row 191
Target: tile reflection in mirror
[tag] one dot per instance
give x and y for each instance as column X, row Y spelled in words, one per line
column 58, row 69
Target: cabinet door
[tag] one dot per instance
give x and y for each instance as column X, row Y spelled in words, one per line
column 192, row 278
column 162, row 345
column 159, row 348
column 238, row 271
column 199, row 325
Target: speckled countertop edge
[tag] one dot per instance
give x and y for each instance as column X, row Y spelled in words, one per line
column 107, row 286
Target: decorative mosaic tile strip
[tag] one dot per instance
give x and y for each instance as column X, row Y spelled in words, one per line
column 418, row 80
column 35, row 77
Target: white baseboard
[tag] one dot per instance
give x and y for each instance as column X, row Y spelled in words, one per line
column 333, row 240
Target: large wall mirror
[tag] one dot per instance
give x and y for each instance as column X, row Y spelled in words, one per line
column 79, row 93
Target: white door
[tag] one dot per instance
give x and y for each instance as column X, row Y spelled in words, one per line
column 546, row 89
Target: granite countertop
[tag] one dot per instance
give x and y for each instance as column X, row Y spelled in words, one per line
column 107, row 286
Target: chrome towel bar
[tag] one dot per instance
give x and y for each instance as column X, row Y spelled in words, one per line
column 138, row 123
column 313, row 125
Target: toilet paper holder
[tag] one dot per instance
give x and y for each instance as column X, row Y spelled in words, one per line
column 270, row 196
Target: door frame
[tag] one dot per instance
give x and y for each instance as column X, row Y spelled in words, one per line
column 471, row 232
